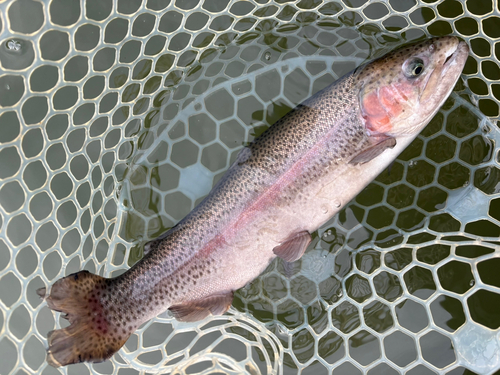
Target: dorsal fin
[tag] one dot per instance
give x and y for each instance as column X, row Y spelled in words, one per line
column 148, row 246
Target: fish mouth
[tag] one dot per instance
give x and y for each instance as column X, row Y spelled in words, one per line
column 456, row 55
column 451, row 56
column 441, row 81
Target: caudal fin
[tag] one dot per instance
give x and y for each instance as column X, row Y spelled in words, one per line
column 90, row 337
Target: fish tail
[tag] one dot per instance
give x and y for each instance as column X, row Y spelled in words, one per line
column 90, row 337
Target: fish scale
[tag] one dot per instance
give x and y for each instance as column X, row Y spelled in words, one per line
column 280, row 189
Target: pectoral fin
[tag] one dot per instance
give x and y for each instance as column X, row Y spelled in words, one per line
column 193, row 311
column 293, row 247
column 373, row 151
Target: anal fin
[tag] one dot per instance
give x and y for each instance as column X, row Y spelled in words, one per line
column 193, row 311
column 373, row 151
column 293, row 247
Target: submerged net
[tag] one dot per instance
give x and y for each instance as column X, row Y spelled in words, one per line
column 118, row 117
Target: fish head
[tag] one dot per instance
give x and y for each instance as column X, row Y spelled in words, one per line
column 402, row 91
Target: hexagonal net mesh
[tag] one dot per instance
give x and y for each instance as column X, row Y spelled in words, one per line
column 118, row 117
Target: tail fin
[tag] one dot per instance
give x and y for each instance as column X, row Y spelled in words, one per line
column 90, row 337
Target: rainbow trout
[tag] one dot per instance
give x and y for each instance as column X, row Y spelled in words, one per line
column 280, row 189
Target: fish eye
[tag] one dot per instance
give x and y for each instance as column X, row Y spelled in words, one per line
column 414, row 68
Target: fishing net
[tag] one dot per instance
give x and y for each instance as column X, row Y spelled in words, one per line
column 117, row 117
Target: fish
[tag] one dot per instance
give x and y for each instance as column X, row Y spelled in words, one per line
column 281, row 188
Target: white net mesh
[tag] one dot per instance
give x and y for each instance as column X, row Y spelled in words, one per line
column 118, row 116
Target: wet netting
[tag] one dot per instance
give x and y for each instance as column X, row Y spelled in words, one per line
column 117, row 117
